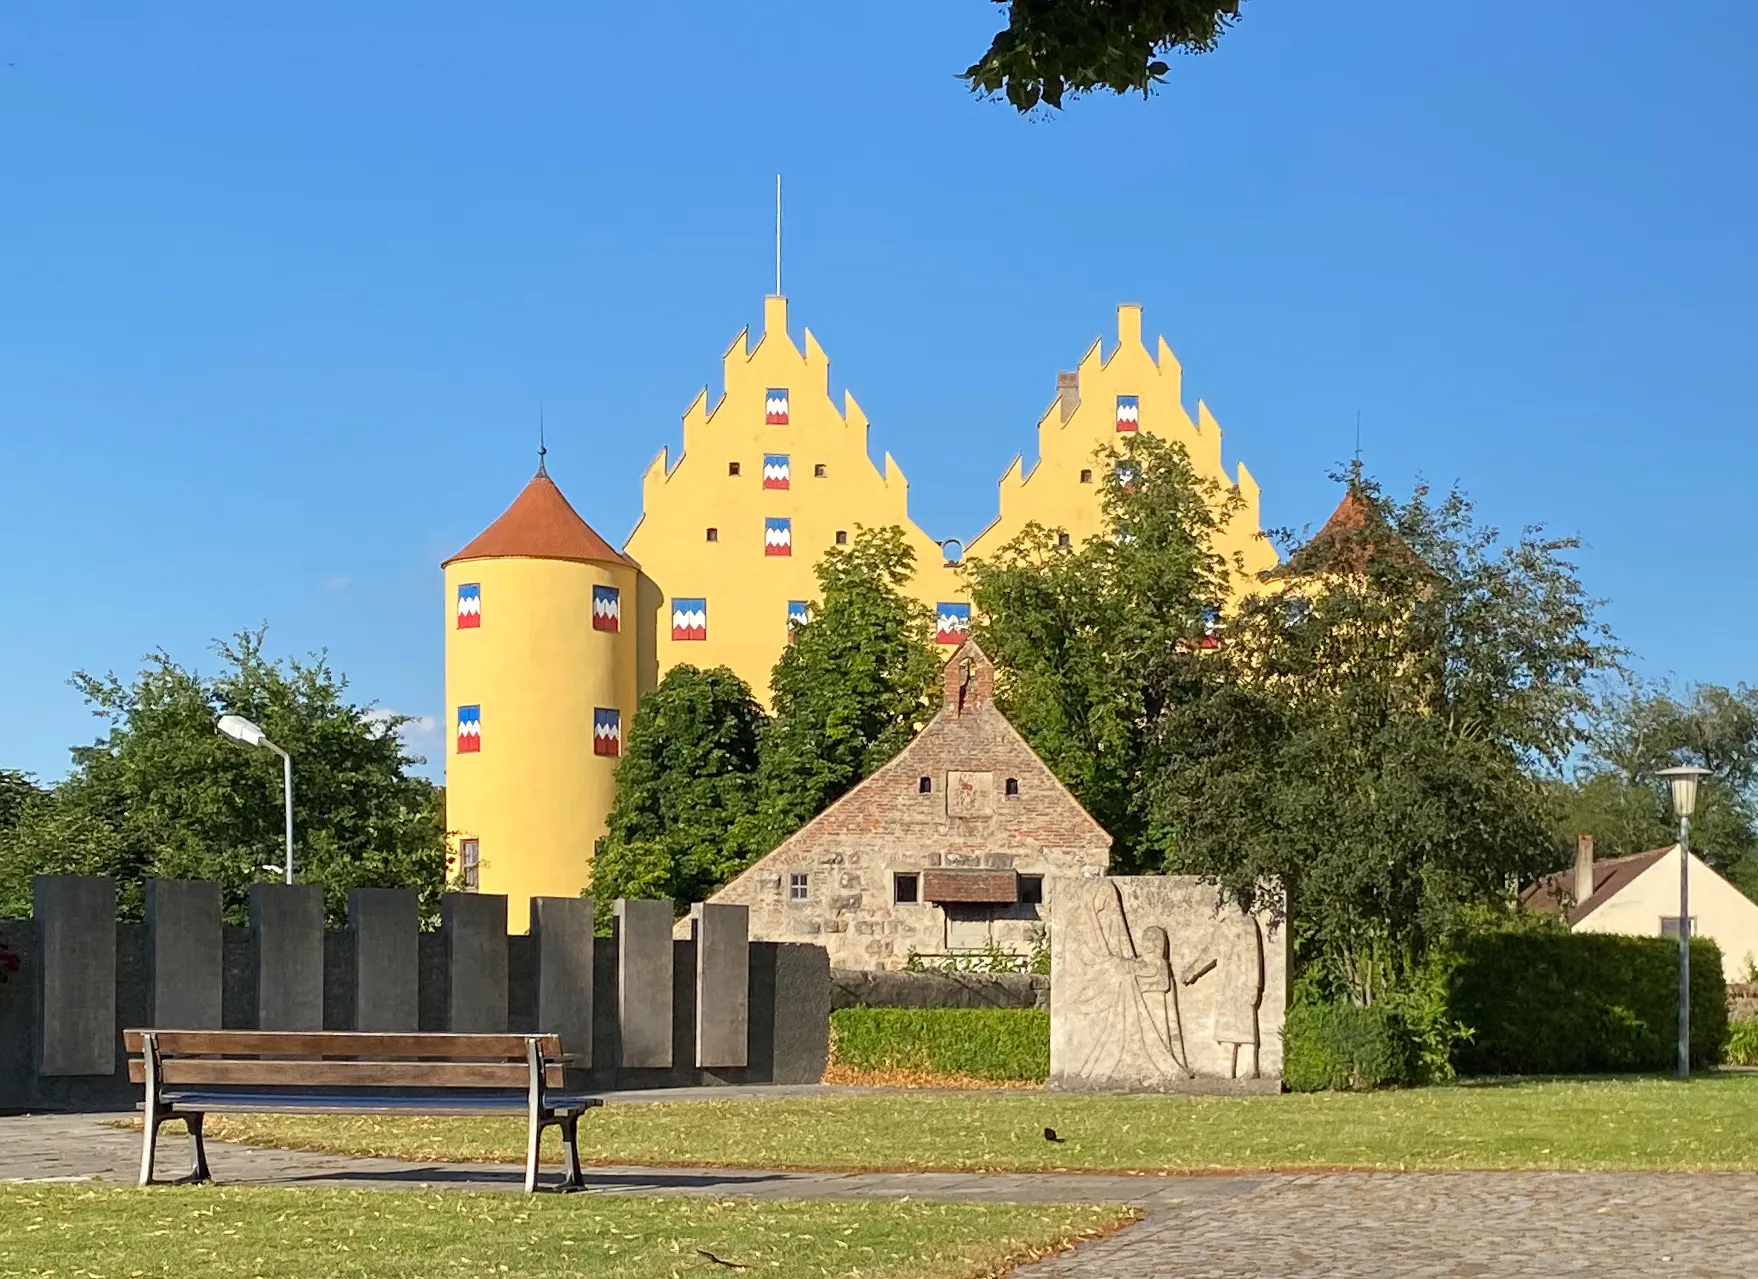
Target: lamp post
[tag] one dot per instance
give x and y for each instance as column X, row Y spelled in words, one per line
column 1683, row 781
column 240, row 729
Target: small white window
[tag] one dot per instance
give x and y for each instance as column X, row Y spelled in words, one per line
column 799, row 886
column 470, row 864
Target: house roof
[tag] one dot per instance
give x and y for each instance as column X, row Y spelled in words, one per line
column 1356, row 532
column 541, row 525
column 1556, row 895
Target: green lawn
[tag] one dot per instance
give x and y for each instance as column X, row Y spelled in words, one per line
column 1618, row 1123
column 70, row 1231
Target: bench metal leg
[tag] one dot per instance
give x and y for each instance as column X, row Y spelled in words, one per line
column 198, row 1154
column 149, row 1144
column 534, row 1139
column 570, row 1125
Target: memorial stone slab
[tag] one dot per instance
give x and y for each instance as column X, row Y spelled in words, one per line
column 186, row 953
column 76, row 958
column 287, row 923
column 474, row 926
column 386, row 923
column 644, row 977
column 561, row 929
column 723, row 977
column 1163, row 985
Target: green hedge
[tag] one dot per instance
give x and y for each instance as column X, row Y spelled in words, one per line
column 984, row 1043
column 1346, row 1047
column 1742, row 1042
column 1582, row 1003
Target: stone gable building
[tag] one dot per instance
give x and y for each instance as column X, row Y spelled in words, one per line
column 951, row 847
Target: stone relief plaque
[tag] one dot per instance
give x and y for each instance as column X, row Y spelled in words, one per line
column 1162, row 986
column 970, row 794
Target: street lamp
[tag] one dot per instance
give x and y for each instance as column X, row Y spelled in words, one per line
column 1683, row 781
column 240, row 729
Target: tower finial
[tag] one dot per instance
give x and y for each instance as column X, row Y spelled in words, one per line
column 778, row 235
column 542, row 448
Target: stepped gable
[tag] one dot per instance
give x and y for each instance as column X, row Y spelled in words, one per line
column 541, row 525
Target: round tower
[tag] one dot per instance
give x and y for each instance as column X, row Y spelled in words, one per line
column 540, row 689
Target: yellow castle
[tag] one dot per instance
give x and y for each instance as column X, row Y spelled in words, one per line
column 552, row 634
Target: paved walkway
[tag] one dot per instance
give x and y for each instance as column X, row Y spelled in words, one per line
column 1329, row 1226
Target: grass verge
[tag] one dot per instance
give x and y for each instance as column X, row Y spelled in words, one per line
column 1602, row 1123
column 271, row 1233
column 1626, row 1123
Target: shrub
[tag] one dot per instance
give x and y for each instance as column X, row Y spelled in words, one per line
column 1742, row 1042
column 1582, row 1003
column 1343, row 1046
column 984, row 1043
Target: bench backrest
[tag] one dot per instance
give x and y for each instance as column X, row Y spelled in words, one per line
column 343, row 1058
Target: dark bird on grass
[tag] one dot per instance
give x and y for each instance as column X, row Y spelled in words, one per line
column 1050, row 1135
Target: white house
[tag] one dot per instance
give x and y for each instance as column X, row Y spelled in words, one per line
column 1638, row 896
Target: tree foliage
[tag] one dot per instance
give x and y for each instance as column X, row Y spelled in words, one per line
column 1091, row 641
column 1633, row 731
column 1377, row 740
column 854, row 685
column 683, row 820
column 162, row 795
column 1053, row 48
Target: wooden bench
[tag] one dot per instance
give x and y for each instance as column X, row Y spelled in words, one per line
column 192, row 1073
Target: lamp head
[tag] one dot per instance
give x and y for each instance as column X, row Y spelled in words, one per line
column 240, row 729
column 1683, row 781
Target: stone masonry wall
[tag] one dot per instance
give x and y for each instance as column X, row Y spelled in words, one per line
column 853, row 851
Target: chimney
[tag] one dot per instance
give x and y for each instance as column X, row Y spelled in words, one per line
column 968, row 679
column 1068, row 393
column 1583, row 868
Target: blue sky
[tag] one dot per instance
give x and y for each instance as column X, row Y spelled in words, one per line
column 281, row 287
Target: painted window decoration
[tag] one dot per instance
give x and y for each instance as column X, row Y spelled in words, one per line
column 469, row 730
column 778, row 537
column 607, row 731
column 469, row 606
column 1128, row 412
column 775, row 406
column 1211, row 636
column 689, row 619
column 953, row 623
column 775, row 470
column 607, row 608
column 798, row 614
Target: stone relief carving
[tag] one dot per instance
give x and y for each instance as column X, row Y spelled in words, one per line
column 970, row 794
column 1160, row 985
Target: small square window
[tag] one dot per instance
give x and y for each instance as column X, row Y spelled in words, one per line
column 470, row 864
column 1086, row 477
column 1011, row 788
column 1031, row 890
column 842, row 537
column 925, row 786
column 732, row 468
column 906, row 888
column 799, row 886
column 820, row 471
column 713, row 535
column 1062, row 539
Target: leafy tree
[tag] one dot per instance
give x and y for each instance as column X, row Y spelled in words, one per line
column 1375, row 739
column 683, row 819
column 853, row 687
column 19, row 795
column 1090, row 642
column 162, row 795
column 1051, row 48
column 1635, row 730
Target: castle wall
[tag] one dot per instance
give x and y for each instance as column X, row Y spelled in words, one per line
column 535, row 792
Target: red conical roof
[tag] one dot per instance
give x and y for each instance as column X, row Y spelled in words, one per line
column 540, row 525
